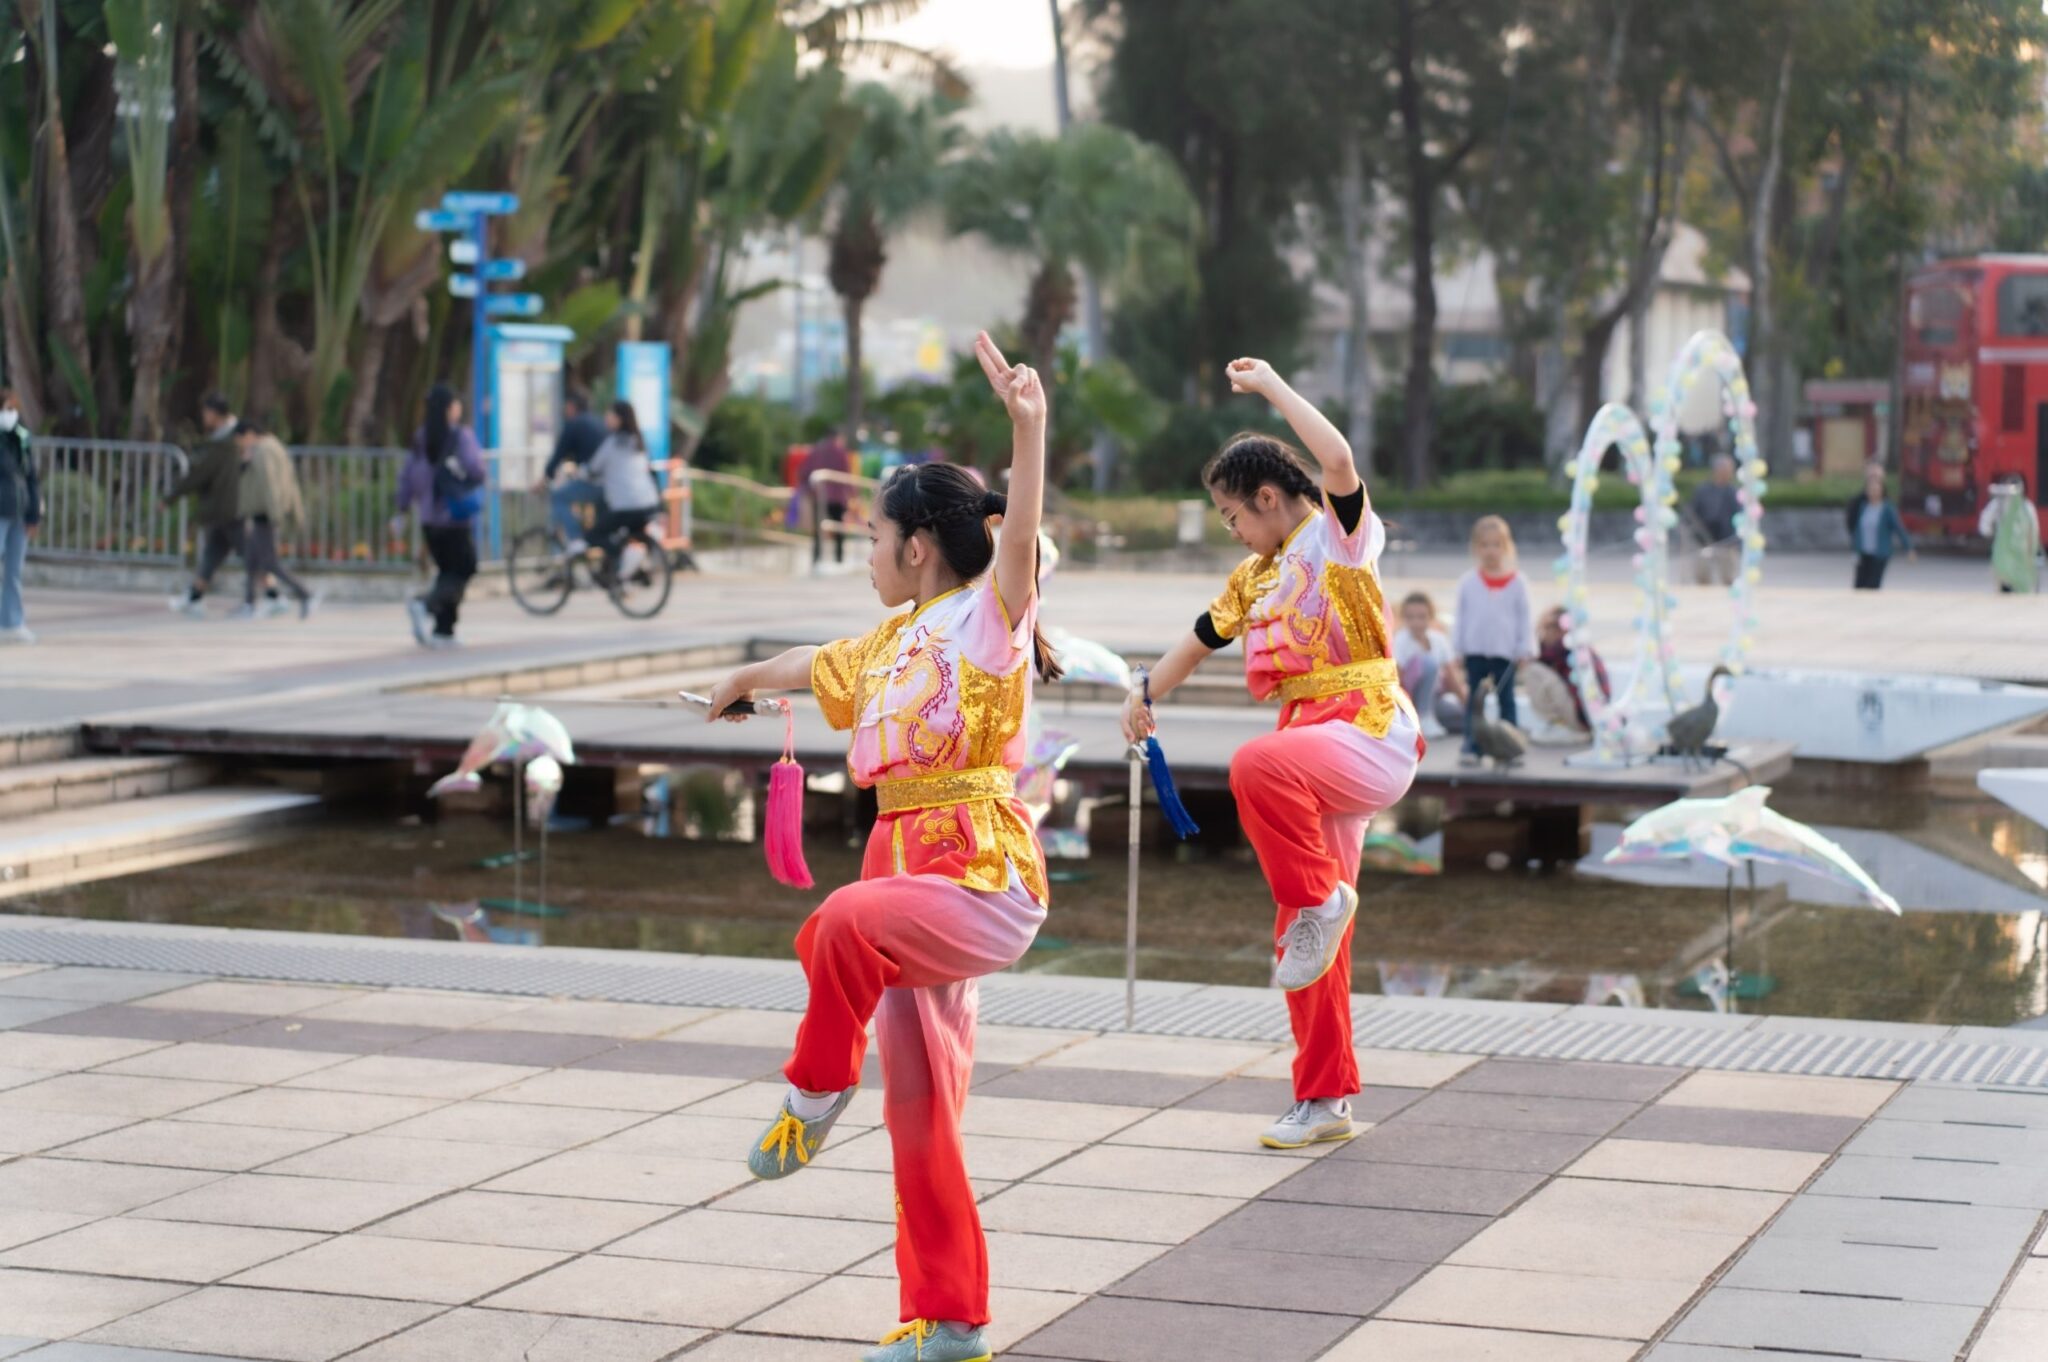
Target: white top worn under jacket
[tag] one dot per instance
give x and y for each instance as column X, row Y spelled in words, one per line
column 620, row 467
column 1493, row 621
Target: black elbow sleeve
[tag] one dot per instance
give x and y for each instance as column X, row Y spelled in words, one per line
column 1205, row 630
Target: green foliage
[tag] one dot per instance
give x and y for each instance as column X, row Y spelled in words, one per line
column 748, row 435
column 1478, row 426
column 1171, row 459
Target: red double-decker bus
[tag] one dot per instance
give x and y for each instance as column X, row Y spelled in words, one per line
column 1973, row 387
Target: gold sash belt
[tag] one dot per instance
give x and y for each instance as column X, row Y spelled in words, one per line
column 945, row 789
column 1378, row 674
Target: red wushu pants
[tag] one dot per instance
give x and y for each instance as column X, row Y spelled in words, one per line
column 905, row 950
column 1305, row 796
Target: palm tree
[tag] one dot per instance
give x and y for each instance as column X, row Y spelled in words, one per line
column 892, row 172
column 1098, row 199
column 837, row 31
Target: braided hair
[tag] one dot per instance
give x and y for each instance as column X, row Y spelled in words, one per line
column 943, row 500
column 1250, row 461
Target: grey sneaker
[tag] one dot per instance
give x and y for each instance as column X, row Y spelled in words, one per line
column 274, row 606
column 244, row 611
column 189, row 608
column 1312, row 941
column 790, row 1141
column 416, row 612
column 308, row 603
column 20, row 633
column 1310, row 1122
column 927, row 1340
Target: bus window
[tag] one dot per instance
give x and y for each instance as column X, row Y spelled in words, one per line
column 2023, row 305
column 1936, row 314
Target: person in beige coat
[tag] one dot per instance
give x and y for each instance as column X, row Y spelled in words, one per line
column 269, row 500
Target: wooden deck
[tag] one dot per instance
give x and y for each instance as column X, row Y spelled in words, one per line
column 434, row 729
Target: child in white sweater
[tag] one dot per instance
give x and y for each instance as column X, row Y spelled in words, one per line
column 1493, row 630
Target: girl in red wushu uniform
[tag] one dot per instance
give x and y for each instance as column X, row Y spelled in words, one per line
column 1307, row 605
column 953, row 884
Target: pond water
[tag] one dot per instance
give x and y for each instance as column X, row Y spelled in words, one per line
column 1968, row 949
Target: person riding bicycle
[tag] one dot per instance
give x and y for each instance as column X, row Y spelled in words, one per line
column 625, row 477
column 581, row 435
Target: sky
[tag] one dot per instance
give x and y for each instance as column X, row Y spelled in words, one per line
column 983, row 32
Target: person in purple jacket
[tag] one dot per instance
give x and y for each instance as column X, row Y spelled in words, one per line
column 443, row 483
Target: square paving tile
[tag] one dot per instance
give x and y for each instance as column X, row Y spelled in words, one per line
column 1346, row 1231
column 112, row 1095
column 56, row 1304
column 995, row 1157
column 1408, row 1187
column 23, row 1227
column 1952, row 1276
column 744, row 1239
column 777, row 1030
column 1513, row 1112
column 287, row 1203
column 1551, row 1078
column 1220, row 1132
column 746, row 1347
column 1169, row 1170
column 682, row 1057
column 1951, row 1140
column 758, row 1102
column 84, row 1188
column 332, row 1037
column 1705, row 1210
column 485, row 1121
column 1538, row 1241
column 1382, row 1340
column 1857, row 1097
column 221, row 1063
column 1103, row 1087
column 107, row 1352
column 196, row 1144
column 499, row 1335
column 397, row 1076
column 1158, row 1055
column 1699, row 1165
column 87, row 983
column 1266, row 1097
column 507, row 1219
column 1123, row 1329
column 162, row 1250
column 1263, row 1279
column 1409, row 1141
column 1541, row 1302
column 1393, row 1068
column 340, row 1113
column 1751, row 1129
column 143, row 1023
column 858, row 1309
column 1011, row 1044
column 1784, row 1322
column 424, row 1163
column 2029, row 1290
column 832, row 1193
column 415, row 1007
column 1043, row 1262
column 615, row 1091
column 1102, row 1213
column 687, row 1135
column 1927, row 1102
column 35, row 1050
column 537, row 1049
column 2013, row 1336
column 400, row 1269
column 254, row 997
column 1857, row 1175
column 1909, row 1224
column 28, row 1011
column 1030, row 1118
column 608, row 1175
column 594, row 1017
column 284, row 1326
column 653, row 1292
column 32, row 1132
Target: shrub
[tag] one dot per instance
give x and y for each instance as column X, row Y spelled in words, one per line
column 1478, row 426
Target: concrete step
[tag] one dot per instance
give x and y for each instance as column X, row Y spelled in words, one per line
column 47, row 850
column 32, row 746
column 84, row 782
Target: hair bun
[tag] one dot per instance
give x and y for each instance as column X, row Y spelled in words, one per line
column 994, row 503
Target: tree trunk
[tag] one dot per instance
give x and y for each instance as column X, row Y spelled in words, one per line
column 1355, row 231
column 1558, row 401
column 152, row 318
column 265, row 333
column 1418, row 416
column 63, row 277
column 362, row 400
column 856, row 389
column 1762, row 349
column 1048, row 307
column 184, row 178
column 1594, row 341
column 24, row 364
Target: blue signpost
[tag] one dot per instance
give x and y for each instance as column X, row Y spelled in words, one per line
column 470, row 212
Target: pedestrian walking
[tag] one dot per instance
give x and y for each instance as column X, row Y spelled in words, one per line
column 1876, row 531
column 2010, row 522
column 269, row 501
column 21, row 510
column 443, row 483
column 1711, row 515
column 213, row 480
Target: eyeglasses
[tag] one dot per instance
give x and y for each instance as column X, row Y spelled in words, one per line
column 1230, row 515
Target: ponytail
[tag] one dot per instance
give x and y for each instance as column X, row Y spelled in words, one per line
column 941, row 498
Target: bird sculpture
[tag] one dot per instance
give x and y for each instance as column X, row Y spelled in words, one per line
column 1688, row 732
column 515, row 732
column 1497, row 739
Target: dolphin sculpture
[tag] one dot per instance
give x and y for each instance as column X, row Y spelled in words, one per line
column 1737, row 829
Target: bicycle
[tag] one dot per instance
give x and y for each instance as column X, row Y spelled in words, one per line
column 543, row 572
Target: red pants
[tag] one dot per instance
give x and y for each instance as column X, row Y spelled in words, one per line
column 905, row 951
column 1305, row 796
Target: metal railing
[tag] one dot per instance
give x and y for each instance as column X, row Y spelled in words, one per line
column 103, row 500
column 349, row 493
column 728, row 510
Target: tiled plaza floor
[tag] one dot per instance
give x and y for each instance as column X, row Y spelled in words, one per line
column 198, row 1168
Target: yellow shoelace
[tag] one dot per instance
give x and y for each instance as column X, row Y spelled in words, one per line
column 919, row 1329
column 784, row 1136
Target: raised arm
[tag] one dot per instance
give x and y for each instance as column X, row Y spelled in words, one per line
column 1017, row 545
column 1324, row 442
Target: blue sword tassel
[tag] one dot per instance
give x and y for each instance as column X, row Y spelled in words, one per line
column 1184, row 825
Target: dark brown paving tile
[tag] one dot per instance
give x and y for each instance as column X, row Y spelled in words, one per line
column 1264, row 1279
column 1119, row 1087
column 1549, row 1078
column 680, row 1057
column 1407, row 1140
column 1112, row 1329
column 1407, row 1187
column 1271, row 1096
column 339, row 1037
column 1510, row 1111
column 1342, row 1231
column 144, row 1023
column 1756, row 1129
column 543, row 1049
